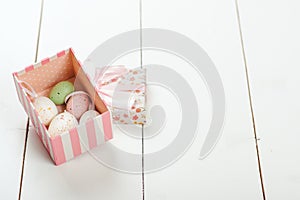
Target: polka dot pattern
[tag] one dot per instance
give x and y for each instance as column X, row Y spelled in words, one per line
column 43, row 77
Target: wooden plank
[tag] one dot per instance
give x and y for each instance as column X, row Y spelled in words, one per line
column 231, row 170
column 82, row 25
column 19, row 22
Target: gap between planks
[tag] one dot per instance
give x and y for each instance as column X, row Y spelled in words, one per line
column 28, row 121
column 250, row 99
column 141, row 63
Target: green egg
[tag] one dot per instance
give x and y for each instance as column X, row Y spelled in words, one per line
column 60, row 91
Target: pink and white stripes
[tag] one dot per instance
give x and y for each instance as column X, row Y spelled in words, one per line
column 81, row 139
column 77, row 140
column 43, row 62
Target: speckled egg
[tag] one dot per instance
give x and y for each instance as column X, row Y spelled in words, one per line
column 62, row 123
column 45, row 108
column 88, row 115
column 77, row 103
column 60, row 91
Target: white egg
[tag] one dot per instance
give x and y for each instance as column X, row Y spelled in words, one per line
column 45, row 108
column 62, row 123
column 90, row 114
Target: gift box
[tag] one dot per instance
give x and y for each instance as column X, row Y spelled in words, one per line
column 42, row 77
column 123, row 91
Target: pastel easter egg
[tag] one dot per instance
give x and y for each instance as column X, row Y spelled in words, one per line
column 77, row 103
column 60, row 91
column 88, row 115
column 62, row 123
column 45, row 108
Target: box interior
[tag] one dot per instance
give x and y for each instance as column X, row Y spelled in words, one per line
column 43, row 78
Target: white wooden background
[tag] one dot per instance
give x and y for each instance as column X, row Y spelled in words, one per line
column 270, row 34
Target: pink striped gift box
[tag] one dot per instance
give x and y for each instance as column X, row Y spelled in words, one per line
column 42, row 76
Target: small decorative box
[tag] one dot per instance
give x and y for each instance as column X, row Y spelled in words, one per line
column 42, row 77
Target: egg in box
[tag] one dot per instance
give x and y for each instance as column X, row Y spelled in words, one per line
column 60, row 91
column 78, row 103
column 45, row 108
column 52, row 80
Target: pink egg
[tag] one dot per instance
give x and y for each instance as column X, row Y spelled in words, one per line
column 77, row 103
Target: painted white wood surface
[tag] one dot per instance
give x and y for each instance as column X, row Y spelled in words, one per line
column 230, row 171
column 82, row 25
column 19, row 21
column 271, row 36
